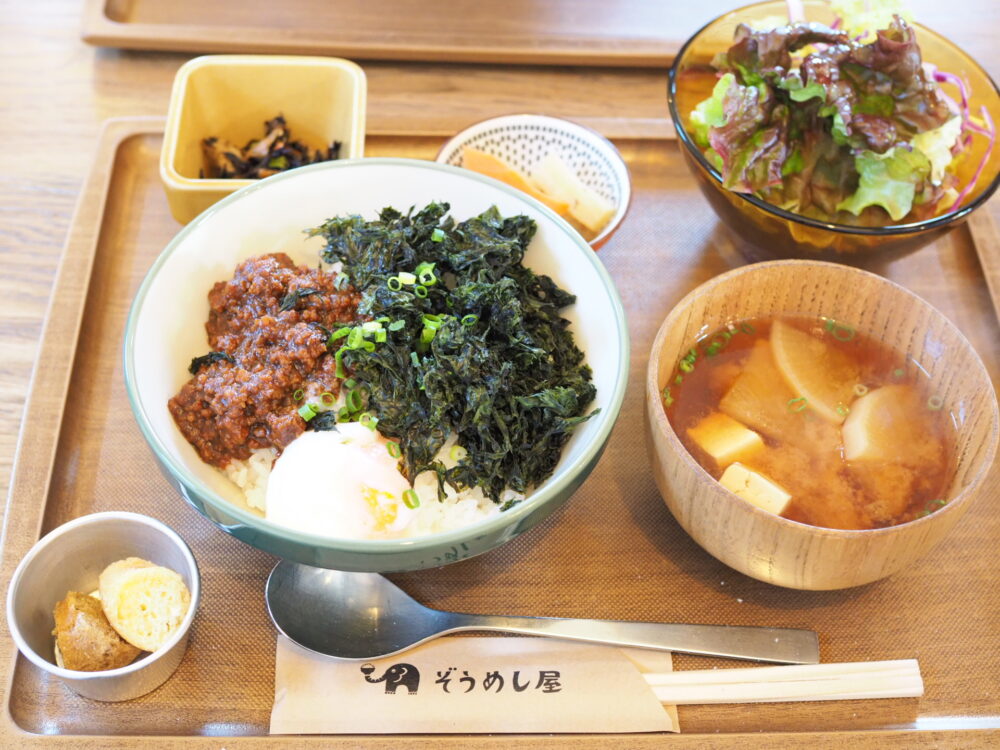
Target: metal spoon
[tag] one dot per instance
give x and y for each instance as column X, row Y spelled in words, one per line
column 366, row 616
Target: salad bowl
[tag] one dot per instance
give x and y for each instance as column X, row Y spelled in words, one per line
column 766, row 231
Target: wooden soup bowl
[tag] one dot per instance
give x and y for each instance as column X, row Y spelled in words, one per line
column 788, row 553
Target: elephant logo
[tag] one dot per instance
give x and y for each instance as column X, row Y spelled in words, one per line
column 405, row 675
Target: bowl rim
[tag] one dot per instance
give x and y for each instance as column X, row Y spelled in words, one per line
column 661, row 423
column 486, row 527
column 892, row 229
column 53, row 538
column 623, row 207
column 169, row 173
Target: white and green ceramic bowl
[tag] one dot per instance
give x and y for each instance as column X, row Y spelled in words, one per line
column 166, row 328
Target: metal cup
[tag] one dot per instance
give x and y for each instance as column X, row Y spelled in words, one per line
column 71, row 558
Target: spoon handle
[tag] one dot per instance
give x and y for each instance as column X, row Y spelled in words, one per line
column 781, row 645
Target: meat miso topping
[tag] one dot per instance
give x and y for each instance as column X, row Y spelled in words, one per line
column 268, row 329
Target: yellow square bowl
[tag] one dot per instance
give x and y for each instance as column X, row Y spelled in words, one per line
column 231, row 97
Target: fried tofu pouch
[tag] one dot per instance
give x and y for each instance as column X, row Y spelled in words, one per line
column 145, row 603
column 85, row 640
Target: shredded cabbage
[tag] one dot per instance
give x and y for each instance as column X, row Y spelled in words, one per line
column 860, row 18
column 937, row 144
column 888, row 180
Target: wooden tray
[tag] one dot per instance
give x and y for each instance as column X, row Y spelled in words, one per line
column 554, row 32
column 614, row 551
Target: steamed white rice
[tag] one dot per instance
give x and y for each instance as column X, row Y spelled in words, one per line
column 457, row 510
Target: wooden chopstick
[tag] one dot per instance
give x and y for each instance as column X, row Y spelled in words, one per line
column 811, row 682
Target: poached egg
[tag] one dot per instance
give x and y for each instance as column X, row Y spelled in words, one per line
column 340, row 483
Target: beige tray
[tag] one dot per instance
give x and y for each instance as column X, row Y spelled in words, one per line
column 614, row 551
column 554, row 32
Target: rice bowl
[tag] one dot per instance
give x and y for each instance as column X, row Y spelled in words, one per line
column 162, row 336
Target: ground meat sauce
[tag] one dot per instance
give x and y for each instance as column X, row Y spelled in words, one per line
column 227, row 410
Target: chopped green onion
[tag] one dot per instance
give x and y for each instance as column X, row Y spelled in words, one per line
column 380, row 336
column 340, row 372
column 411, row 499
column 307, row 411
column 407, row 278
column 420, row 290
column 383, row 319
column 393, row 449
column 366, row 419
column 860, row 389
column 798, row 404
column 350, row 383
column 939, row 502
column 934, row 403
column 843, row 410
column 353, row 400
column 340, row 281
column 394, row 283
column 397, row 324
column 840, row 331
column 344, row 414
column 415, row 359
column 355, row 338
column 678, row 380
column 437, row 235
column 469, row 320
column 668, row 400
column 685, row 366
column 425, row 274
column 340, row 333
column 299, row 393
column 718, row 342
column 748, row 328
column 371, row 326
column 457, row 453
column 898, row 372
column 427, row 335
column 327, row 398
column 368, row 346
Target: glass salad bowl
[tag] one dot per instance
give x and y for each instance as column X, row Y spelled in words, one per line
column 766, row 231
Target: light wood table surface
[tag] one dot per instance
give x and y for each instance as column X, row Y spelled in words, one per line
column 56, row 91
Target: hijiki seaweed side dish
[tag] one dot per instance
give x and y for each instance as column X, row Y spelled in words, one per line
column 840, row 124
column 421, row 380
column 276, row 152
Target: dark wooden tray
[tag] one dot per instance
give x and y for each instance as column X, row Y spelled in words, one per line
column 614, row 551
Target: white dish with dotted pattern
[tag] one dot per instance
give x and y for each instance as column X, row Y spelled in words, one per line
column 524, row 140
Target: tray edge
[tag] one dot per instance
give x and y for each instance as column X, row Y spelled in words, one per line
column 82, row 239
column 98, row 29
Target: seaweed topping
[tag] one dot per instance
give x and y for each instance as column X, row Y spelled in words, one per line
column 290, row 300
column 463, row 341
column 206, row 359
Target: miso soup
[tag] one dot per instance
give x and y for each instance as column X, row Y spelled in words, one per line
column 808, row 419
